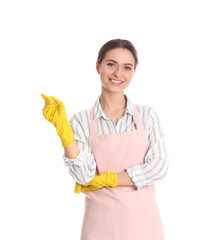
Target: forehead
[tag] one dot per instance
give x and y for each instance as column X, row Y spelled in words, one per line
column 120, row 55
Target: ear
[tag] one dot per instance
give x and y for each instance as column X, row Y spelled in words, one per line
column 97, row 67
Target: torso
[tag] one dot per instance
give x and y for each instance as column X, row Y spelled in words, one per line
column 137, row 209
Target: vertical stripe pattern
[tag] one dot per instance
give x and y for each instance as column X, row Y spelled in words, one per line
column 83, row 167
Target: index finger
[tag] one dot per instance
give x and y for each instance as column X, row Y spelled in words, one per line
column 44, row 96
column 47, row 99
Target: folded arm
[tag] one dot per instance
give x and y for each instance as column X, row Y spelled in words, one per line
column 156, row 160
column 124, row 179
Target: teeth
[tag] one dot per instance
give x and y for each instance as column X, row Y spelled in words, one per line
column 116, row 81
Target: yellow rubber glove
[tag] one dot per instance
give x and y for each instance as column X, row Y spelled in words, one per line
column 80, row 188
column 55, row 112
column 105, row 179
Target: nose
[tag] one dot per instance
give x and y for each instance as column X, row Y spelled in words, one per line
column 117, row 72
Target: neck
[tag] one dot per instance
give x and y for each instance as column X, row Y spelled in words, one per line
column 112, row 102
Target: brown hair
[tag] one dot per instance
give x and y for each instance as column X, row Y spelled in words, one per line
column 117, row 43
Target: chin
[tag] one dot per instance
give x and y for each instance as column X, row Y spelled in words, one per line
column 109, row 89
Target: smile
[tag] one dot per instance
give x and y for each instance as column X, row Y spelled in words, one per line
column 115, row 82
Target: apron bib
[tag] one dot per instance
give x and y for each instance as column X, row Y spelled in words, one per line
column 120, row 213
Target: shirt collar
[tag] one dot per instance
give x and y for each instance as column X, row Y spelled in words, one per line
column 98, row 111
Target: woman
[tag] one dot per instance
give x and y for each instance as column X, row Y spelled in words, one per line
column 118, row 153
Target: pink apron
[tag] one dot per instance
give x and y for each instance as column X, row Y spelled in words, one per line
column 120, row 213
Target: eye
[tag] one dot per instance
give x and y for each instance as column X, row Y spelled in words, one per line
column 128, row 68
column 111, row 64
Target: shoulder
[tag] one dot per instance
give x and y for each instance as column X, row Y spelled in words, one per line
column 145, row 110
column 148, row 115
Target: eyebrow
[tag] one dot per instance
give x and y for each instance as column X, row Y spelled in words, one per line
column 110, row 60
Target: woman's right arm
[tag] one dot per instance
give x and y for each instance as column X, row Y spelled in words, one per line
column 71, row 151
column 78, row 156
column 77, row 152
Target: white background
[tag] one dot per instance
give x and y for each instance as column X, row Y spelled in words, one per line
column 51, row 47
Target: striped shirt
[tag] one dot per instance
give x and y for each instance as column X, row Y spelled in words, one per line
column 83, row 167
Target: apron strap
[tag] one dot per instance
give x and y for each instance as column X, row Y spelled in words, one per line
column 138, row 121
column 93, row 124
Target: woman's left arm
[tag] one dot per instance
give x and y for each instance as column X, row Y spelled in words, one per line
column 156, row 160
column 123, row 179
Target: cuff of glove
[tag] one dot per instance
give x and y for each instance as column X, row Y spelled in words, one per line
column 67, row 136
column 112, row 179
column 67, row 141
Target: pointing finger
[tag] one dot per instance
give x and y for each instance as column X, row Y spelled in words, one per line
column 44, row 96
column 47, row 99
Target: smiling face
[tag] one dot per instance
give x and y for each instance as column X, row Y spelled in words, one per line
column 116, row 69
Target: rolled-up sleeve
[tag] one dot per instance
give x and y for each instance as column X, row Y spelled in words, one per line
column 156, row 160
column 83, row 167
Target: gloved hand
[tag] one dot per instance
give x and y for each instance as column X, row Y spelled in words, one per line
column 80, row 188
column 54, row 111
column 105, row 179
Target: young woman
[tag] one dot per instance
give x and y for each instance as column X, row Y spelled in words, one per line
column 115, row 152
